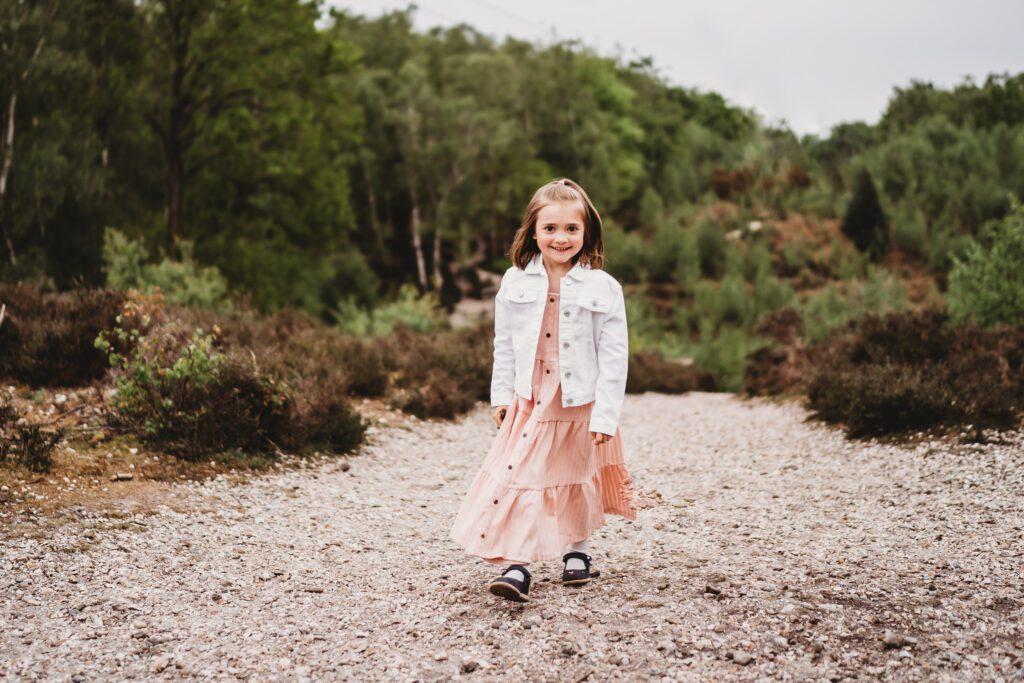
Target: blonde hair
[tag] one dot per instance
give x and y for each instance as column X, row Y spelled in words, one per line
column 524, row 248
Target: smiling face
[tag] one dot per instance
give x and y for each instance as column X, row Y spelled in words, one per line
column 559, row 232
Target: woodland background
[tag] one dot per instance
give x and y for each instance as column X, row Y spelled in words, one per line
column 315, row 191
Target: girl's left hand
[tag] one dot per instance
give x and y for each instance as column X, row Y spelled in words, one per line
column 599, row 438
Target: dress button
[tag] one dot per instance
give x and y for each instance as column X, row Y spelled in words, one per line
column 547, row 334
column 524, row 435
column 547, row 372
column 495, row 501
column 538, row 402
column 481, row 535
column 551, row 299
column 510, row 466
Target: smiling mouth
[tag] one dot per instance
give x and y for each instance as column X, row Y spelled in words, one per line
column 561, row 248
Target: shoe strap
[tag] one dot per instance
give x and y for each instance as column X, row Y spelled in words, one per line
column 579, row 556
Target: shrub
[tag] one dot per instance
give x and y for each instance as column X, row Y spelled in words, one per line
column 24, row 444
column 865, row 223
column 440, row 375
column 182, row 282
column 914, row 370
column 46, row 339
column 988, row 283
column 711, row 248
column 410, row 309
column 651, row 371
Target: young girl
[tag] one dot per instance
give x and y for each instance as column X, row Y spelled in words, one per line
column 559, row 378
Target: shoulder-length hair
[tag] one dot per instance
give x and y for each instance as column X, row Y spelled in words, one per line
column 524, row 247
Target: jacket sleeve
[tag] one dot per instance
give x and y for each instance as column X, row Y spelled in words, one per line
column 612, row 368
column 503, row 374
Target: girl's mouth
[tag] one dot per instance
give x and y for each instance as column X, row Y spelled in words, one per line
column 561, row 248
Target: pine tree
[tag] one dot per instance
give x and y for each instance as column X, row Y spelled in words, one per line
column 865, row 223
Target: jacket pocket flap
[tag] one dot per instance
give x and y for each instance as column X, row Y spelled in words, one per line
column 522, row 296
column 598, row 304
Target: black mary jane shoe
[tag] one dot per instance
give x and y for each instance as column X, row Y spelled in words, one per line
column 578, row 577
column 512, row 589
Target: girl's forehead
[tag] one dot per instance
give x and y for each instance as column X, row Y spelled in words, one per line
column 561, row 212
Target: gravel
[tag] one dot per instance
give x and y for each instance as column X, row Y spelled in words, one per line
column 768, row 548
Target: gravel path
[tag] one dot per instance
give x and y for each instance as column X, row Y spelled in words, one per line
column 771, row 548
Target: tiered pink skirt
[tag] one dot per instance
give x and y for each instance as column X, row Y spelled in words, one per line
column 543, row 484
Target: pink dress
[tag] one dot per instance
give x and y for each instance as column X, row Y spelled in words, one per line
column 544, row 484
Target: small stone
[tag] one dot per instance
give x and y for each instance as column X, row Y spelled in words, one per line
column 742, row 658
column 60, row 399
column 570, row 649
column 469, row 666
column 344, row 465
column 779, row 641
column 667, row 646
column 440, row 656
column 713, row 590
column 892, row 640
column 122, row 476
column 532, row 621
column 160, row 663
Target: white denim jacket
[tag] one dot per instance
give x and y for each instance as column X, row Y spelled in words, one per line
column 593, row 339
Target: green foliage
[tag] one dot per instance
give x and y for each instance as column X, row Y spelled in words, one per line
column 711, row 248
column 182, row 282
column 988, row 283
column 417, row 312
column 879, row 293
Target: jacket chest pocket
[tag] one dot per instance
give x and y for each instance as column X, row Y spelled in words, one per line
column 595, row 303
column 522, row 296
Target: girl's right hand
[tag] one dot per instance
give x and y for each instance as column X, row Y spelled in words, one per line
column 499, row 415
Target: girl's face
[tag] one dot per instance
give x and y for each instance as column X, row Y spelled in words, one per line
column 559, row 231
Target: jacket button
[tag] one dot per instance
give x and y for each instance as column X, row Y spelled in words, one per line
column 565, row 345
column 568, row 401
column 566, row 314
column 568, row 374
column 593, row 303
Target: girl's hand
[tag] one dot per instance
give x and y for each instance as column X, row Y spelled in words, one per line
column 499, row 415
column 599, row 438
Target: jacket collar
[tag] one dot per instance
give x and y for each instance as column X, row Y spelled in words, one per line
column 536, row 267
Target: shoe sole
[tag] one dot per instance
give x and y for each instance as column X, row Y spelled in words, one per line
column 508, row 591
column 579, row 582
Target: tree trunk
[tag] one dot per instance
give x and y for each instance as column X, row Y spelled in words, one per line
column 5, row 170
column 437, row 257
column 417, row 244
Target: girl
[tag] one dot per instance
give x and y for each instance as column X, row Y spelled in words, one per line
column 557, row 386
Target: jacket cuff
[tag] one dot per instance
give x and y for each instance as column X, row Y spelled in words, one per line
column 502, row 399
column 603, row 427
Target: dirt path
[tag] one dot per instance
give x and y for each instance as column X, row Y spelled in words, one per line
column 769, row 541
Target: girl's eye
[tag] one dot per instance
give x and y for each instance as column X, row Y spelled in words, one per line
column 573, row 228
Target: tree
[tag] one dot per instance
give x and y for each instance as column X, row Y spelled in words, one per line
column 988, row 283
column 865, row 223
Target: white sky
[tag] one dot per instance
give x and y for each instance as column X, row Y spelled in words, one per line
column 812, row 63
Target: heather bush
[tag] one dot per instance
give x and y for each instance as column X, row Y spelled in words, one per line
column 46, row 338
column 651, row 371
column 906, row 371
column 439, row 375
column 26, row 445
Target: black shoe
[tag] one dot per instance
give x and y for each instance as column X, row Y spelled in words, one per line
column 578, row 577
column 512, row 589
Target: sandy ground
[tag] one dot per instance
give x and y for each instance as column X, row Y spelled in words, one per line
column 770, row 548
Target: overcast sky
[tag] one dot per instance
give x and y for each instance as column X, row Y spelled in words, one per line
column 812, row 63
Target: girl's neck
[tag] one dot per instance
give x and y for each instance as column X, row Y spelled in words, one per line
column 556, row 272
